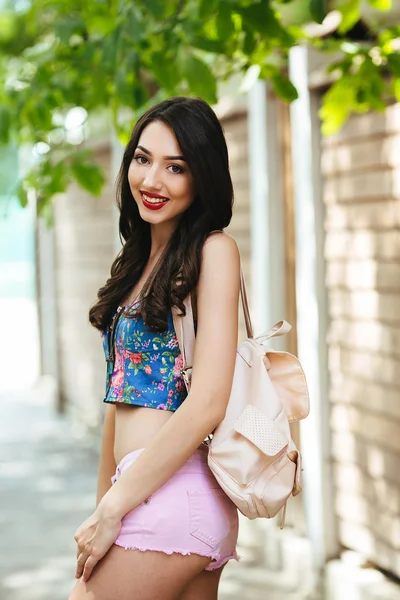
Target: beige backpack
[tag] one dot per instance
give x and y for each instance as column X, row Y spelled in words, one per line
column 252, row 454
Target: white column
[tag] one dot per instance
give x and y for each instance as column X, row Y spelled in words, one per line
column 311, row 309
column 47, row 304
column 267, row 236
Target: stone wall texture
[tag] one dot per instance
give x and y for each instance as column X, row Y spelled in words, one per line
column 85, row 248
column 361, row 174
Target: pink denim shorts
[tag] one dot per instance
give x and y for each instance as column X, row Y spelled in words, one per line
column 189, row 514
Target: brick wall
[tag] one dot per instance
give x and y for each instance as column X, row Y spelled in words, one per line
column 361, row 170
column 85, row 248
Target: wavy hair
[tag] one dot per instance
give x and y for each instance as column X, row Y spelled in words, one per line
column 202, row 141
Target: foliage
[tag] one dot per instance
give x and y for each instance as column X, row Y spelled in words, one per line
column 126, row 55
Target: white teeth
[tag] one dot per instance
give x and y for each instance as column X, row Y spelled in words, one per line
column 154, row 200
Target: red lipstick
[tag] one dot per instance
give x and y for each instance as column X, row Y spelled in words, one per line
column 152, row 205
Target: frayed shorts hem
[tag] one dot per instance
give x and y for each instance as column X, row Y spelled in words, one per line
column 216, row 560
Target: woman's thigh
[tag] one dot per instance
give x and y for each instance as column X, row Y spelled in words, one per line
column 204, row 586
column 136, row 575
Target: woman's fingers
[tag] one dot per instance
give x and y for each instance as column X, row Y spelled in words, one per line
column 94, row 538
column 82, row 558
column 89, row 566
column 80, row 565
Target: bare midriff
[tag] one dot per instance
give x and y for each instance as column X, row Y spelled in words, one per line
column 135, row 427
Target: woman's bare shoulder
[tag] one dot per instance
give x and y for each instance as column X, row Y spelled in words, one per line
column 220, row 240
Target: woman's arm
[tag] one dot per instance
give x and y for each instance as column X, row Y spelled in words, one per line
column 212, row 376
column 107, row 464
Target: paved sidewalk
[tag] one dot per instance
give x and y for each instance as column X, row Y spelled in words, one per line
column 47, row 488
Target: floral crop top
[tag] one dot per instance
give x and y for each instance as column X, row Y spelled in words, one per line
column 146, row 369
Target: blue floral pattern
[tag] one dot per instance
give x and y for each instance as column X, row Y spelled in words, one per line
column 147, row 367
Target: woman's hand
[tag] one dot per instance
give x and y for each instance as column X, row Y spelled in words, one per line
column 94, row 538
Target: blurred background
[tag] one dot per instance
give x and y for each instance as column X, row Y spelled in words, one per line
column 308, row 94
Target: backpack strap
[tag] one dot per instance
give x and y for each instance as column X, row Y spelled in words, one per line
column 184, row 329
column 245, row 304
column 281, row 328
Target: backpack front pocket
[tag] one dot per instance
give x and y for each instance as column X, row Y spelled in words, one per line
column 254, row 443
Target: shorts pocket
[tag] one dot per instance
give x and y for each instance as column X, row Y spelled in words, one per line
column 209, row 519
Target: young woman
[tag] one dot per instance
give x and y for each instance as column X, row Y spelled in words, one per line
column 163, row 529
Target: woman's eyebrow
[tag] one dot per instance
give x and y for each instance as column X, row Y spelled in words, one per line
column 165, row 157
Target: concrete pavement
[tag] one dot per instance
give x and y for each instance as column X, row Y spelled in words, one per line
column 47, row 488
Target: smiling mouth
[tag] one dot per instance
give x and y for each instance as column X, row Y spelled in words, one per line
column 154, row 200
column 154, row 203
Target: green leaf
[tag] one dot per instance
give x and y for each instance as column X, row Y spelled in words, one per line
column 381, row 4
column 166, row 71
column 22, row 194
column 260, row 17
column 207, row 7
column 45, row 209
column 123, row 85
column 246, row 3
column 5, row 124
column 207, row 44
column 132, row 62
column 337, row 104
column 59, row 178
column 8, row 25
column 68, row 26
column 249, row 42
column 109, row 50
column 139, row 94
column 200, row 78
column 156, row 8
column 133, row 24
column 318, row 10
column 396, row 89
column 394, row 63
column 350, row 11
column 38, row 111
column 88, row 175
column 284, row 87
column 225, row 25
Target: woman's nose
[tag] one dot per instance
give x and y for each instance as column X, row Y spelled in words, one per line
column 152, row 178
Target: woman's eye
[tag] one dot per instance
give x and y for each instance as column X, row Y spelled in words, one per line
column 180, row 170
column 137, row 158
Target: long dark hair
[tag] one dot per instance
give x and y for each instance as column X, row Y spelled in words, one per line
column 201, row 139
